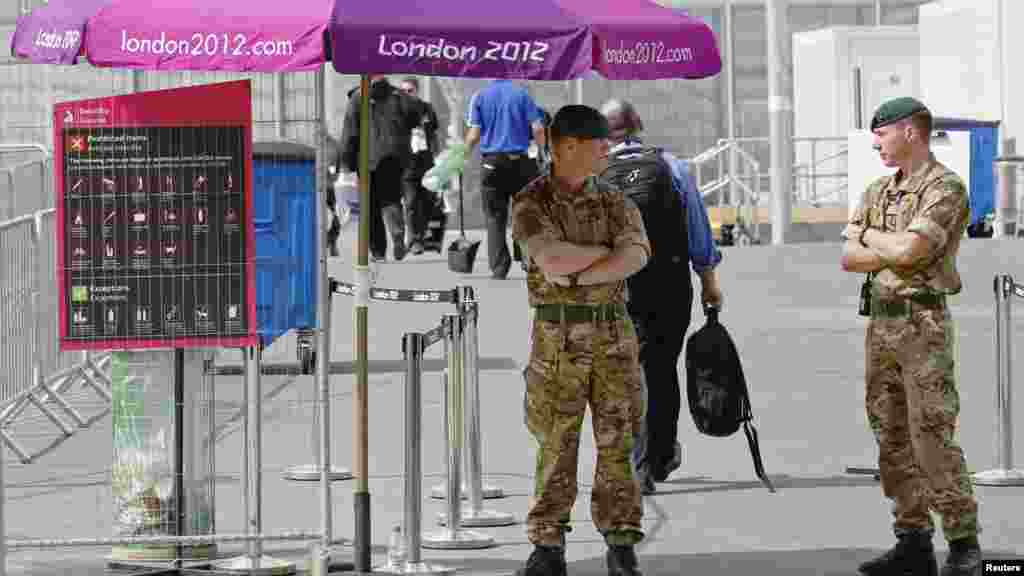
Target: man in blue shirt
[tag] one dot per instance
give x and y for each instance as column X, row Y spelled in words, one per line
column 502, row 119
column 661, row 315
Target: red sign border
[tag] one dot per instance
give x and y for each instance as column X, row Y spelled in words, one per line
column 221, row 104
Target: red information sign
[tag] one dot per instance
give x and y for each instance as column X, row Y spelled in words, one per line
column 154, row 219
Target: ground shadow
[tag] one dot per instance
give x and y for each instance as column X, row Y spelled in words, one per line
column 822, row 562
column 704, row 484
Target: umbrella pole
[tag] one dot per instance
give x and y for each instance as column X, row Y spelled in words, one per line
column 360, row 404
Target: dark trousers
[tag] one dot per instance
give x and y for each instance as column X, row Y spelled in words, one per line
column 386, row 206
column 661, row 334
column 417, row 208
column 502, row 176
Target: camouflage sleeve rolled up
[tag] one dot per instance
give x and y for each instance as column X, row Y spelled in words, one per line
column 531, row 225
column 943, row 213
column 860, row 217
column 627, row 224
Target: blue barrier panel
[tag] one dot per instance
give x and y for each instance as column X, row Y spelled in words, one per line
column 984, row 149
column 284, row 196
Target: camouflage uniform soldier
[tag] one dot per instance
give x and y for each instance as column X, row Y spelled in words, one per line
column 581, row 239
column 906, row 234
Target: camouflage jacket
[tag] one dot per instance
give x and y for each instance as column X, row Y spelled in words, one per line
column 933, row 202
column 599, row 214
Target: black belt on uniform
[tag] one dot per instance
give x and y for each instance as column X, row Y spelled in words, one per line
column 579, row 313
column 906, row 306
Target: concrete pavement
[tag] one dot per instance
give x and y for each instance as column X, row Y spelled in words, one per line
column 792, row 313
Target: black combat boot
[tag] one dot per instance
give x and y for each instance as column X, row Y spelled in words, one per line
column 913, row 555
column 545, row 561
column 621, row 561
column 964, row 558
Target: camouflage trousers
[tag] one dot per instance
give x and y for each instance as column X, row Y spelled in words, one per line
column 571, row 367
column 912, row 407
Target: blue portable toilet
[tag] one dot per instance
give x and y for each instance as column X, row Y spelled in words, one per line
column 284, row 213
column 984, row 150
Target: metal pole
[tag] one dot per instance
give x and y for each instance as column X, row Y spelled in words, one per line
column 360, row 403
column 324, row 460
column 253, row 563
column 252, row 447
column 577, row 86
column 161, row 540
column 474, row 514
column 413, row 349
column 280, row 90
column 730, row 101
column 452, row 537
column 250, row 370
column 471, row 370
column 3, row 521
column 211, row 393
column 1006, row 407
column 780, row 106
column 878, row 12
column 453, row 415
column 179, row 452
column 858, row 104
column 1004, row 474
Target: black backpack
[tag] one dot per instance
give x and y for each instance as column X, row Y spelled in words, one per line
column 716, row 389
column 643, row 176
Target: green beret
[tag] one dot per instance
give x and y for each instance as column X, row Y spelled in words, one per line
column 895, row 110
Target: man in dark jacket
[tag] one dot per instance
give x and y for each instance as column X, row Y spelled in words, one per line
column 425, row 147
column 393, row 117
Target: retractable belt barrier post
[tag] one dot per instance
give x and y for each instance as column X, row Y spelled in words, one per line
column 469, row 307
column 464, row 298
column 1005, row 474
column 413, row 347
column 474, row 514
column 321, row 419
column 253, row 562
column 453, row 537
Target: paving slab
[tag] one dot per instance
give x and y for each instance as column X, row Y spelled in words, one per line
column 792, row 312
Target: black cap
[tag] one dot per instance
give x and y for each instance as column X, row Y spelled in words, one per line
column 578, row 121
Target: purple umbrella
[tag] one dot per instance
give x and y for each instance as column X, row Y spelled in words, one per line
column 52, row 34
column 236, row 35
column 528, row 39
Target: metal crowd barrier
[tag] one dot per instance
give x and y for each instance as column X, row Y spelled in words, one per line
column 37, row 374
column 15, row 203
column 465, row 302
column 452, row 332
column 253, row 561
column 1005, row 475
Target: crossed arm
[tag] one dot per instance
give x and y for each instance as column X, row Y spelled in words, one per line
column 593, row 264
column 893, row 250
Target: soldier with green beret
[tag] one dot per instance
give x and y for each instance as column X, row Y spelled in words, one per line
column 905, row 235
column 581, row 239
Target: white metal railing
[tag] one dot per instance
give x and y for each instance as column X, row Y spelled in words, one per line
column 818, row 159
column 741, row 184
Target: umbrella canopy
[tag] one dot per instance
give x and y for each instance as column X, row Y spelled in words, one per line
column 233, row 35
column 526, row 39
column 52, row 34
